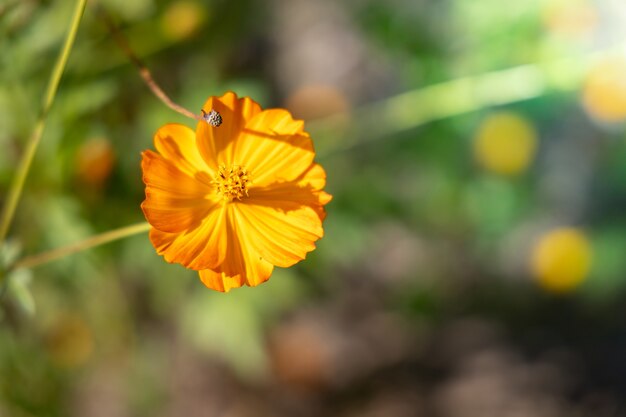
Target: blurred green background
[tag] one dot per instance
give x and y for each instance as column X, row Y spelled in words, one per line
column 474, row 263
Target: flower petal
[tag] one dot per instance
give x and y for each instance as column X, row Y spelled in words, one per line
column 220, row 281
column 217, row 144
column 174, row 200
column 281, row 237
column 177, row 143
column 284, row 220
column 274, row 147
column 242, row 264
column 200, row 248
column 306, row 190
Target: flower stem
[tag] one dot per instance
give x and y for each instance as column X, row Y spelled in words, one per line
column 97, row 240
column 144, row 72
column 16, row 187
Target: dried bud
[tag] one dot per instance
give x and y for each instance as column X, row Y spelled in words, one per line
column 213, row 118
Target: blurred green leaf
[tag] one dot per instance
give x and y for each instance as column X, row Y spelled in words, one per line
column 607, row 277
column 10, row 250
column 19, row 283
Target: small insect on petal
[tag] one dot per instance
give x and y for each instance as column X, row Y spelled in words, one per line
column 213, row 118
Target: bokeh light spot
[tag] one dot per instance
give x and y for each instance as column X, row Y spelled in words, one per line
column 315, row 101
column 505, row 143
column 182, row 19
column 69, row 341
column 94, row 161
column 571, row 18
column 604, row 92
column 561, row 259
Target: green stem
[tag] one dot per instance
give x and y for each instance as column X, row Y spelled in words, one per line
column 451, row 98
column 16, row 187
column 101, row 239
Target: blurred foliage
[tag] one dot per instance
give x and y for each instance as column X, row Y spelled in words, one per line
column 427, row 295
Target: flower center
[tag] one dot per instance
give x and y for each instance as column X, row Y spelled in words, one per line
column 232, row 182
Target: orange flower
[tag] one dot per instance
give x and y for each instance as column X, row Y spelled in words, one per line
column 236, row 200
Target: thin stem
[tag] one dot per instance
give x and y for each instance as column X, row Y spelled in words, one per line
column 16, row 187
column 144, row 72
column 63, row 251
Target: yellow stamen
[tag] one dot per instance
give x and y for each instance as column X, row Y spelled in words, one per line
column 232, row 183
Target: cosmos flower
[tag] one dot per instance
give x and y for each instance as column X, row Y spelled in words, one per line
column 234, row 201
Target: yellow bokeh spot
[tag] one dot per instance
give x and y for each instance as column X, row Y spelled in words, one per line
column 571, row 18
column 604, row 92
column 505, row 143
column 69, row 341
column 561, row 260
column 182, row 19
